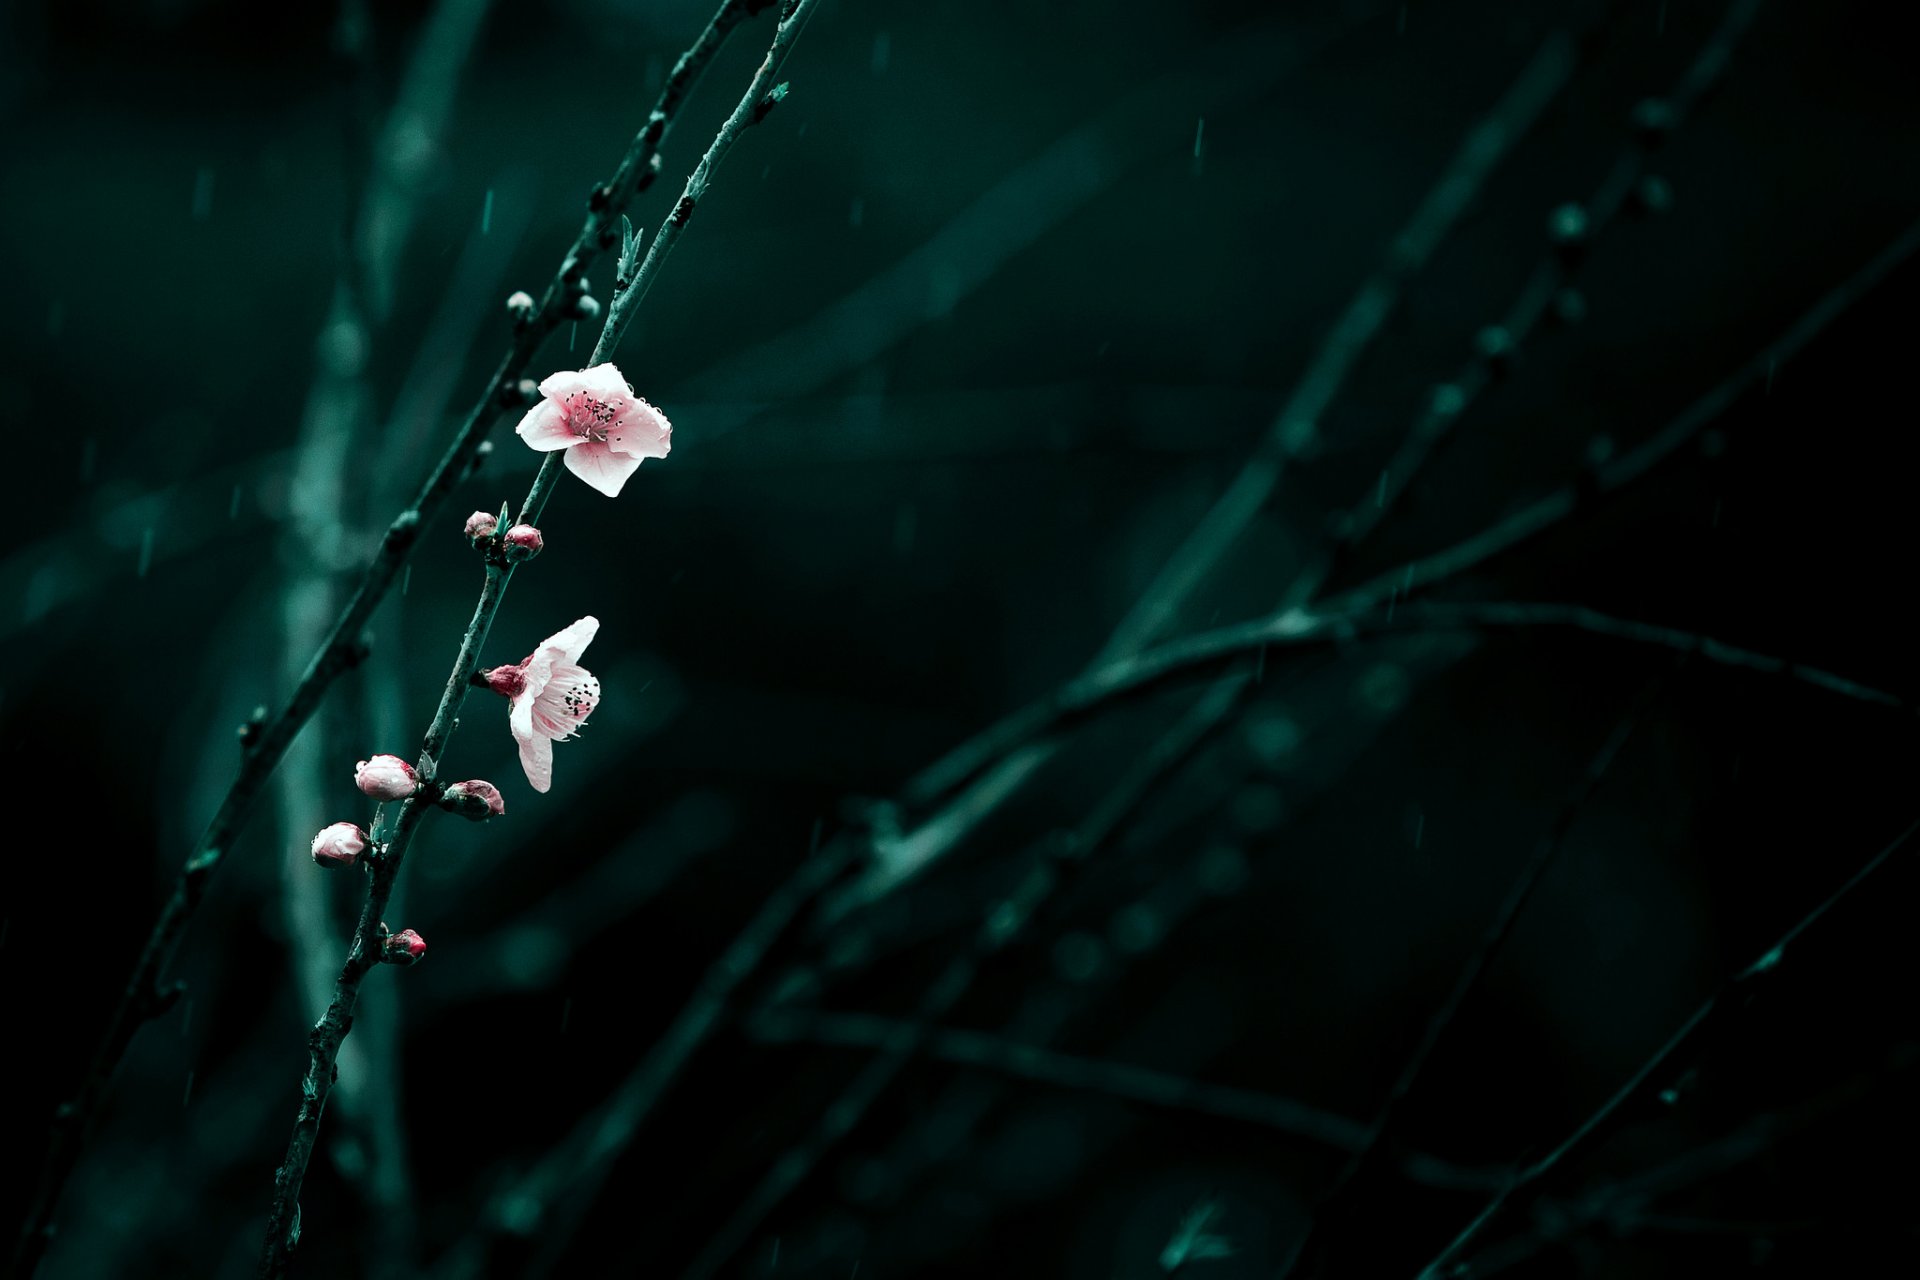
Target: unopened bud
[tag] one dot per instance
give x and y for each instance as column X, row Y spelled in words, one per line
column 404, row 947
column 475, row 798
column 586, row 307
column 509, row 681
column 480, row 526
column 386, row 778
column 524, row 542
column 339, row 845
column 520, row 305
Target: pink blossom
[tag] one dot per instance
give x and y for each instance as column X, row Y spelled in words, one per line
column 604, row 427
column 480, row 524
column 551, row 697
column 339, row 845
column 476, row 798
column 524, row 542
column 386, row 778
column 404, row 947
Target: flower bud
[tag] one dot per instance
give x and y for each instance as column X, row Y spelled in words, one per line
column 586, row 307
column 524, row 542
column 339, row 845
column 508, row 680
column 475, row 798
column 404, row 947
column 386, row 778
column 520, row 304
column 480, row 526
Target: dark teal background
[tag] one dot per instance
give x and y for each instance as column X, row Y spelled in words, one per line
column 964, row 338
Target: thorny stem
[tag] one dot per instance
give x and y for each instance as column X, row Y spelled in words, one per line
column 283, row 1224
column 147, row 993
column 1721, row 1005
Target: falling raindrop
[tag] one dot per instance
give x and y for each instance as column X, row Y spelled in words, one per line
column 486, row 213
column 1199, row 145
column 203, row 195
column 233, row 504
column 146, row 552
column 856, row 212
column 882, row 52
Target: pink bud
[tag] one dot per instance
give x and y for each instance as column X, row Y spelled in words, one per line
column 524, row 542
column 386, row 778
column 509, row 681
column 404, row 947
column 475, row 798
column 339, row 845
column 480, row 525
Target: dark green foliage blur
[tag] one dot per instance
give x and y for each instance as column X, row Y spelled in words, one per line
column 965, row 338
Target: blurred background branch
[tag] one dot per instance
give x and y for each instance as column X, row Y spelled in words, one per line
column 959, row 363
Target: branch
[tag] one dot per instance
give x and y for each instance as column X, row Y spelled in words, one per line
column 147, row 992
column 1366, row 1157
column 1112, row 1079
column 1732, row 996
column 1562, row 504
column 551, row 1198
column 1055, row 861
column 1294, row 629
column 1364, row 318
column 1574, row 229
column 390, row 847
column 1352, row 335
column 1621, row 1204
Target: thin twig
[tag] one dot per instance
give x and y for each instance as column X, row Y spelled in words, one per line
column 1430, row 424
column 1363, row 607
column 1351, row 337
column 148, row 993
column 1367, row 1157
column 1576, row 229
column 390, row 845
column 1557, row 507
column 334, row 429
column 1725, row 1002
column 1111, row 1079
column 1055, row 860
column 553, row 1199
column 1363, row 319
column 1210, row 650
column 620, row 1117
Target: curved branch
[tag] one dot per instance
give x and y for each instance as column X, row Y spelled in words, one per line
column 1722, row 1004
column 147, row 992
column 1112, row 1079
column 389, row 853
